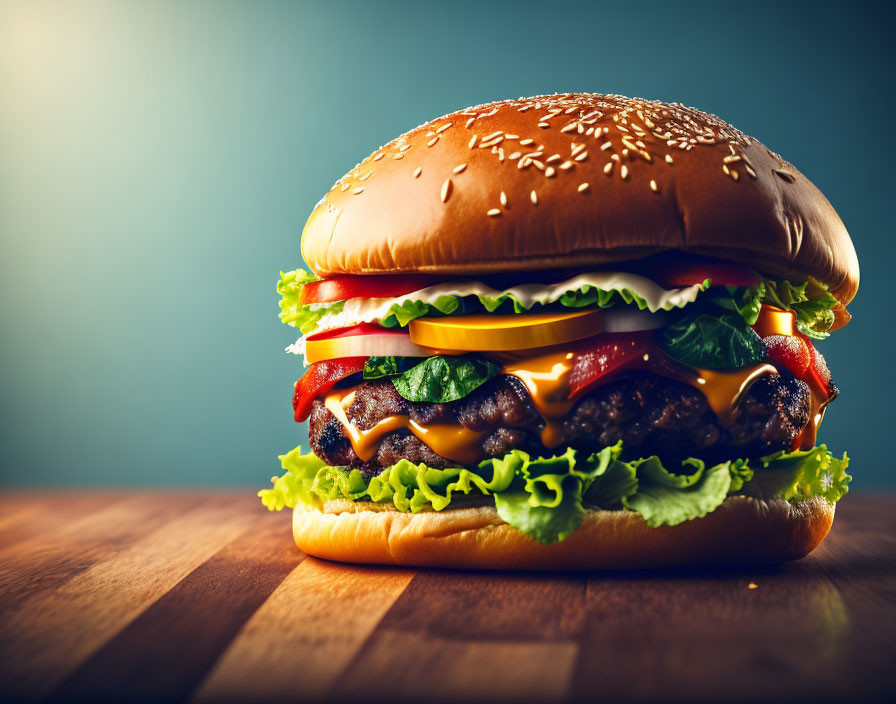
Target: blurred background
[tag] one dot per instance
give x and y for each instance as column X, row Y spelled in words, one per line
column 158, row 160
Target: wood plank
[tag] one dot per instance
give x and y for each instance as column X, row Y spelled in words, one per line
column 706, row 634
column 51, row 633
column 165, row 652
column 513, row 635
column 307, row 632
column 44, row 562
column 24, row 516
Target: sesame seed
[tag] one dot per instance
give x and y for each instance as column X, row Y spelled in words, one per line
column 472, row 142
column 550, row 171
column 511, row 136
column 668, row 158
column 446, row 190
column 624, row 172
column 751, row 172
column 734, row 175
column 566, row 165
column 653, row 186
column 569, row 128
column 582, row 156
column 608, row 167
column 398, row 156
column 378, row 156
column 551, row 159
column 514, row 155
column 533, row 196
column 459, row 168
column 345, row 186
column 544, row 125
column 526, row 142
column 731, row 158
column 589, row 131
column 404, row 147
column 614, row 157
column 605, row 146
column 503, row 199
column 576, row 149
column 582, row 187
column 538, row 164
column 470, row 122
column 418, row 171
column 358, row 191
column 499, row 133
column 432, row 141
column 494, row 212
column 443, row 128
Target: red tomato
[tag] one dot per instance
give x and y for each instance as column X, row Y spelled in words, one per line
column 339, row 288
column 359, row 329
column 797, row 354
column 608, row 354
column 674, row 269
column 818, row 368
column 319, row 379
column 788, row 351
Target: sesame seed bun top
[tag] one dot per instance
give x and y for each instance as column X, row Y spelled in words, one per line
column 574, row 180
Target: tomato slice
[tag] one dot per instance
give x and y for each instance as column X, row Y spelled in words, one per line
column 788, row 351
column 352, row 330
column 340, row 288
column 608, row 354
column 319, row 379
column 675, row 269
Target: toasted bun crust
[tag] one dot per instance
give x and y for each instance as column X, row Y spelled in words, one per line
column 742, row 530
column 576, row 180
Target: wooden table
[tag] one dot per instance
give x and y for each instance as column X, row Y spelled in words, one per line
column 203, row 596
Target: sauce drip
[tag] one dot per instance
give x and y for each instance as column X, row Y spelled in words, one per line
column 723, row 390
column 448, row 440
column 818, row 401
column 547, row 380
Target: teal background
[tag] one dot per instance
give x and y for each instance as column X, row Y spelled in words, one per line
column 158, row 160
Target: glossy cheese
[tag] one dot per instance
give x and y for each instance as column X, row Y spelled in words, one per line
column 449, row 440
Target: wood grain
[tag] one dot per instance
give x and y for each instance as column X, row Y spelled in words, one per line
column 203, row 597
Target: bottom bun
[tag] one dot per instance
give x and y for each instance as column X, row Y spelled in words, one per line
column 742, row 530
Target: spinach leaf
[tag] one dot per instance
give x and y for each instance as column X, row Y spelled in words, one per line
column 713, row 342
column 444, row 379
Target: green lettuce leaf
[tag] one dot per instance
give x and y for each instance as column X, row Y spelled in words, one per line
column 810, row 300
column 303, row 317
column 712, row 341
column 546, row 497
column 800, row 475
column 444, row 379
column 813, row 303
column 664, row 498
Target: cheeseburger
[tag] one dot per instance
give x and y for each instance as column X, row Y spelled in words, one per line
column 574, row 331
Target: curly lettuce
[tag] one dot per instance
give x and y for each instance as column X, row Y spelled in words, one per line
column 810, row 300
column 546, row 497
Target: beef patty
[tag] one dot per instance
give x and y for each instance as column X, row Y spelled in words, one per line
column 652, row 415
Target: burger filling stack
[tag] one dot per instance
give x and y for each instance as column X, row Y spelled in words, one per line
column 566, row 332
